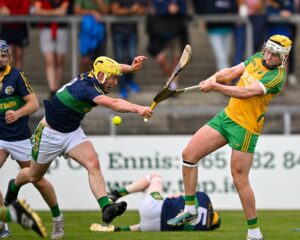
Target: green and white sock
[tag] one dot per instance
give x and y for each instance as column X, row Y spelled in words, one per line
column 14, row 187
column 253, row 229
column 103, row 201
column 11, row 215
column 125, row 229
column 123, row 192
column 55, row 211
column 190, row 204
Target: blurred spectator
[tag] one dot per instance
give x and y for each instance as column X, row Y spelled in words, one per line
column 258, row 19
column 125, row 39
column 53, row 40
column 283, row 8
column 93, row 32
column 254, row 10
column 15, row 34
column 71, row 7
column 167, row 30
column 220, row 33
column 292, row 79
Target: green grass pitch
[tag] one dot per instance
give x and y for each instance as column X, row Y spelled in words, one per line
column 274, row 225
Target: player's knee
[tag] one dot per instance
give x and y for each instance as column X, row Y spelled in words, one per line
column 238, row 179
column 34, row 179
column 189, row 156
column 93, row 164
column 154, row 177
column 160, row 58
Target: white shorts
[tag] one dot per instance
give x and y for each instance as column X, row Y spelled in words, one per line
column 49, row 143
column 18, row 150
column 59, row 45
column 150, row 211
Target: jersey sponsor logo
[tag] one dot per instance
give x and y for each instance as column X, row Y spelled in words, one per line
column 247, row 78
column 9, row 90
column 8, row 105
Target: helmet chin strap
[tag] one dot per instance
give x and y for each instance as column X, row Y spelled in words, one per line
column 104, row 78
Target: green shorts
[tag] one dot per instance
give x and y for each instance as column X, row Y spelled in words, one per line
column 236, row 136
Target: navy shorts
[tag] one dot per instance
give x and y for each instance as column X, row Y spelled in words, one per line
column 16, row 36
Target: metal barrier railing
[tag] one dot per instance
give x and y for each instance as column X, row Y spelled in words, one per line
column 73, row 21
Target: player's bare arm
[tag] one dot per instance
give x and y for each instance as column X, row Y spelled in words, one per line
column 60, row 11
column 254, row 89
column 225, row 75
column 228, row 74
column 121, row 105
column 30, row 107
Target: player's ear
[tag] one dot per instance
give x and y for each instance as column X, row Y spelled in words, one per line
column 100, row 76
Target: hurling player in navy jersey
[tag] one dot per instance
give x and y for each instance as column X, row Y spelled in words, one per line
column 60, row 132
column 17, row 102
column 155, row 211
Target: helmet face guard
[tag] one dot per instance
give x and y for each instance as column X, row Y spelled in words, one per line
column 5, row 57
column 108, row 66
column 278, row 46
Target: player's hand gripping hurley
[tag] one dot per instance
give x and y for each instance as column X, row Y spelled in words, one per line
column 166, row 92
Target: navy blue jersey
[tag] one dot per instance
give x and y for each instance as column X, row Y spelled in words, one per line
column 172, row 206
column 70, row 104
column 13, row 87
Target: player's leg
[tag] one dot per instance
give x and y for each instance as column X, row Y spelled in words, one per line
column 19, row 53
column 243, row 143
column 150, row 207
column 162, row 60
column 21, row 151
column 205, row 141
column 152, row 182
column 33, row 171
column 4, row 230
column 84, row 153
column 36, row 173
column 43, row 185
column 48, row 193
column 240, row 166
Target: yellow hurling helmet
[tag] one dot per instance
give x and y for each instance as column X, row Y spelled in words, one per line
column 279, row 44
column 107, row 66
